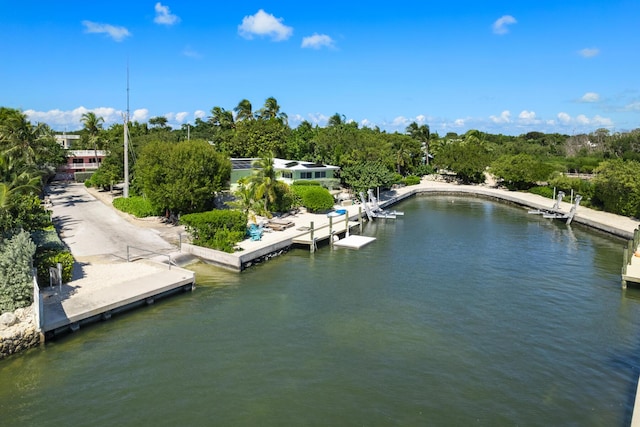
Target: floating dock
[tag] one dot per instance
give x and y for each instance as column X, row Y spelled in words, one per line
column 353, row 242
column 65, row 308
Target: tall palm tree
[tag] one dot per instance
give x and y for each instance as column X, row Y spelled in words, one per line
column 271, row 110
column 263, row 180
column 19, row 138
column 222, row 118
column 17, row 178
column 422, row 134
column 92, row 126
column 244, row 110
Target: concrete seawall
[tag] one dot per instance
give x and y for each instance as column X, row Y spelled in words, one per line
column 278, row 242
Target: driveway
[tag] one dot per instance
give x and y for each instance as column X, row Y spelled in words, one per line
column 92, row 229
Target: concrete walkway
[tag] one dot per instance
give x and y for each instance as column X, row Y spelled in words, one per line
column 101, row 241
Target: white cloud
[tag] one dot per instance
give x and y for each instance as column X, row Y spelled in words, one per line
column 140, row 115
column 72, row 120
column 366, row 123
column 420, row 119
column 180, row 117
column 527, row 117
column 505, row 117
column 264, row 24
column 500, row 26
column 191, row 53
column 318, row 118
column 317, row 41
column 564, row 118
column 581, row 119
column 116, row 33
column 601, row 121
column 590, row 97
column 401, row 121
column 634, row 106
column 200, row 114
column 164, row 15
column 589, row 52
column 459, row 122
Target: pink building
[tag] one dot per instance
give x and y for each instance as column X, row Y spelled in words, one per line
column 80, row 161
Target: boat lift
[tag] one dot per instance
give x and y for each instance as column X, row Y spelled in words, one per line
column 373, row 209
column 556, row 213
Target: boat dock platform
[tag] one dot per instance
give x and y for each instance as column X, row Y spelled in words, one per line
column 110, row 289
column 631, row 261
column 338, row 225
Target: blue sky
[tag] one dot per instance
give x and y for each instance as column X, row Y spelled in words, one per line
column 506, row 67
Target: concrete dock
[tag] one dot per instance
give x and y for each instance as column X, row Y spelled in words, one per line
column 103, row 283
column 109, row 290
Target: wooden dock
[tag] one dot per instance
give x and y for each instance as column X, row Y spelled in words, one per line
column 631, row 261
column 337, row 226
column 67, row 307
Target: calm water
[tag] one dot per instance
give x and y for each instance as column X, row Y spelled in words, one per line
column 464, row 312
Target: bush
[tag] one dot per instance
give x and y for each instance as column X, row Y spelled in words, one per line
column 411, row 180
column 46, row 258
column 306, row 183
column 422, row 170
column 82, row 177
column 580, row 186
column 542, row 191
column 217, row 229
column 317, row 199
column 16, row 259
column 47, row 239
column 137, row 206
column 284, row 198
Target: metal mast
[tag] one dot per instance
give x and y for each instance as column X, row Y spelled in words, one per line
column 125, row 190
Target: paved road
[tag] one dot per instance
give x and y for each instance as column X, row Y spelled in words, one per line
column 92, row 229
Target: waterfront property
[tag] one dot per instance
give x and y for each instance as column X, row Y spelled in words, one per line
column 65, row 308
column 464, row 312
column 287, row 171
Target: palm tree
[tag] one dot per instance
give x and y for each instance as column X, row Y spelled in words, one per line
column 222, row 118
column 19, row 138
column 422, row 134
column 244, row 110
column 271, row 110
column 245, row 199
column 93, row 126
column 263, row 180
column 17, row 178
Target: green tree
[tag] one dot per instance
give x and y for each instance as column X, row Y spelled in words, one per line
column 263, row 181
column 617, row 187
column 244, row 110
column 183, row 177
column 92, row 129
column 271, row 111
column 422, row 134
column 469, row 159
column 520, row 171
column 365, row 175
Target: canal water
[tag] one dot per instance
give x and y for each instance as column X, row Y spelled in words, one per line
column 464, row 312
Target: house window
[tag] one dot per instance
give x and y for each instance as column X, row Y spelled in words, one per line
column 305, row 175
column 287, row 174
column 78, row 161
column 322, row 174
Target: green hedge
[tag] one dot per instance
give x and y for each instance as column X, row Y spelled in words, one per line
column 138, row 206
column 82, row 176
column 217, row 229
column 46, row 258
column 314, row 198
column 411, row 180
